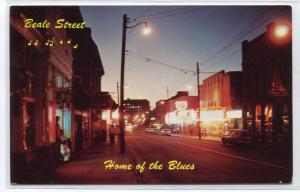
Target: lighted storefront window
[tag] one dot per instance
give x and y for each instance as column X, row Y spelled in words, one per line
column 268, row 122
column 63, row 101
column 67, row 123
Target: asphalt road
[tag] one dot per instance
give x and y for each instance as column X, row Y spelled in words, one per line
column 209, row 162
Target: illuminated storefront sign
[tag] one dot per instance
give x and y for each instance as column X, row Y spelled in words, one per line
column 106, row 115
column 234, row 114
column 115, row 114
column 214, row 115
column 181, row 105
column 181, row 117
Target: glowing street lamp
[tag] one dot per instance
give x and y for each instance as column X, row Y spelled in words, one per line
column 189, row 87
column 146, row 29
column 280, row 32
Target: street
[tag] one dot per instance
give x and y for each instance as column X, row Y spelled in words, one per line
column 213, row 163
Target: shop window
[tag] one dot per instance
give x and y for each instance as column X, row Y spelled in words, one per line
column 67, row 123
column 268, row 122
column 285, row 119
column 63, row 91
column 59, row 80
column 64, row 121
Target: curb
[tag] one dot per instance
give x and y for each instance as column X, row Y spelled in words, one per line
column 196, row 138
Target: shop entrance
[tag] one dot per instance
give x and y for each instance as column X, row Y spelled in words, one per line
column 79, row 132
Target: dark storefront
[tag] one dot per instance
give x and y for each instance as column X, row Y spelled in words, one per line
column 267, row 90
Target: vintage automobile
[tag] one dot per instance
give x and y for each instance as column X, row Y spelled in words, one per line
column 165, row 132
column 234, row 136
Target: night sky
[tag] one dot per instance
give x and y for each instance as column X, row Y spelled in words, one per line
column 180, row 37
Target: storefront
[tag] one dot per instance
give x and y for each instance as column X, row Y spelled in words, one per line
column 183, row 120
column 234, row 119
column 212, row 123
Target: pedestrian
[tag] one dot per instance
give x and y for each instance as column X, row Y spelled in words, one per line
column 58, row 129
column 64, row 148
column 62, row 142
column 111, row 135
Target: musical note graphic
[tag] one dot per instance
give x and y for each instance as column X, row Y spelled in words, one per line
column 36, row 43
column 49, row 43
column 29, row 43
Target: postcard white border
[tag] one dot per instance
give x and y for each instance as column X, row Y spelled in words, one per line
column 4, row 100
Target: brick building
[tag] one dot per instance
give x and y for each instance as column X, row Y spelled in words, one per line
column 220, row 96
column 267, row 87
column 54, row 75
column 179, row 113
column 221, row 91
column 136, row 110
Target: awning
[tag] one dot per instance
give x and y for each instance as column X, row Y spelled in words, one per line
column 103, row 100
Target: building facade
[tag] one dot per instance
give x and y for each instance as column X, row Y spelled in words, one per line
column 54, row 76
column 136, row 110
column 267, row 87
column 220, row 99
column 180, row 113
column 40, row 85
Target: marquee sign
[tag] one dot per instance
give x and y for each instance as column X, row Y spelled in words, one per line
column 181, row 105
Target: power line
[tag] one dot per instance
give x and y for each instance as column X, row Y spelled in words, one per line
column 234, row 40
column 172, row 14
column 226, row 57
column 240, row 36
column 159, row 13
column 181, row 84
column 238, row 18
column 234, row 23
column 147, row 59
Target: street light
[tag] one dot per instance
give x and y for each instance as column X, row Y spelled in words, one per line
column 146, row 31
column 280, row 32
column 189, row 87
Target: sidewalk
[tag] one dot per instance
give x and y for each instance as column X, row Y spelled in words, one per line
column 88, row 167
column 206, row 138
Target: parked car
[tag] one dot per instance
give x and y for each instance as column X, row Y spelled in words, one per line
column 175, row 130
column 149, row 130
column 156, row 131
column 234, row 136
column 165, row 131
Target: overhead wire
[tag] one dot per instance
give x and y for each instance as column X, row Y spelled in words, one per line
column 148, row 59
column 192, row 9
column 159, row 13
column 240, row 37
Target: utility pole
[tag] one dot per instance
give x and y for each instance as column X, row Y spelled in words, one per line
column 121, row 106
column 198, row 101
column 167, row 92
column 118, row 94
